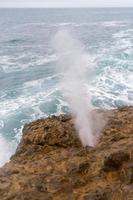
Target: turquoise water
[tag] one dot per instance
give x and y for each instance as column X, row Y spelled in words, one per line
column 29, row 86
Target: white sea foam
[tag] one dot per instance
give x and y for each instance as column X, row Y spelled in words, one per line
column 1, row 124
column 110, row 23
column 123, row 43
column 111, row 87
column 10, row 109
column 115, row 23
column 124, row 34
column 34, row 83
column 11, row 64
column 5, row 151
column 44, row 60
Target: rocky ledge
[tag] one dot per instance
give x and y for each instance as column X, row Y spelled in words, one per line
column 50, row 162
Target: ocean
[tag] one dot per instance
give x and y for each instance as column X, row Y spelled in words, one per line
column 29, row 83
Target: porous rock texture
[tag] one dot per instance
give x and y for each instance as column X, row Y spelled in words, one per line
column 51, row 164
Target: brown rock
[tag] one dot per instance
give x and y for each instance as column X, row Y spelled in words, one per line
column 115, row 160
column 51, row 164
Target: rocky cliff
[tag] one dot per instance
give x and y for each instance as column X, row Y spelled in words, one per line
column 50, row 162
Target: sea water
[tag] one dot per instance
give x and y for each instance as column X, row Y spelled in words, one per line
column 29, row 83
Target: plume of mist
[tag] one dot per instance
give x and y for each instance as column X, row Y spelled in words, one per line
column 72, row 64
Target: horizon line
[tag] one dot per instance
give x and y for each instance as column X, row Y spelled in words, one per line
column 8, row 7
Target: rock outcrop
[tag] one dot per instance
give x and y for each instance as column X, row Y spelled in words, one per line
column 50, row 162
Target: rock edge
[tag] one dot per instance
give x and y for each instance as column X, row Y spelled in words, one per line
column 50, row 162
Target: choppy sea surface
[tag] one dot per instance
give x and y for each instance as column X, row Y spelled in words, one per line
column 29, row 86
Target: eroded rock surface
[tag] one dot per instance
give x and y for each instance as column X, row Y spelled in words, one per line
column 50, row 162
